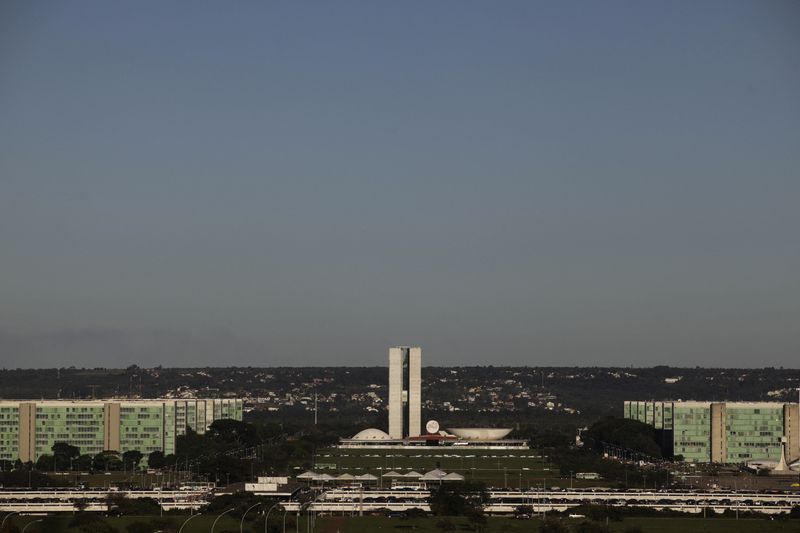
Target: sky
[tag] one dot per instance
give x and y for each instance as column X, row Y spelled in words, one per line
column 309, row 183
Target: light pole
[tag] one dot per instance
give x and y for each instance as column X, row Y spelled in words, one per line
column 266, row 519
column 241, row 522
column 6, row 517
column 184, row 522
column 31, row 523
column 220, row 516
column 284, row 520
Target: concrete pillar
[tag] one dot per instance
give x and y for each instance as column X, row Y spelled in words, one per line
column 27, row 431
column 791, row 430
column 719, row 435
column 111, row 423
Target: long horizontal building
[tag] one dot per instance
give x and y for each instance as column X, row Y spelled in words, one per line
column 30, row 428
column 722, row 432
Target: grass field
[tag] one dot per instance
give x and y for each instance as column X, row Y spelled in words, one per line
column 199, row 524
column 497, row 468
column 510, row 525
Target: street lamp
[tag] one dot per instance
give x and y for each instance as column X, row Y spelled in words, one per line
column 220, row 516
column 6, row 517
column 30, row 523
column 266, row 519
column 284, row 520
column 190, row 517
column 241, row 522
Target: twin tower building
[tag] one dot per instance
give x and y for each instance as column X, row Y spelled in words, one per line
column 405, row 392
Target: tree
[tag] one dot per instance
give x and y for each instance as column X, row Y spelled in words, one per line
column 65, row 454
column 108, row 460
column 630, row 434
column 156, row 459
column 115, row 500
column 458, row 499
column 476, row 517
column 80, row 504
column 132, row 458
column 137, row 506
column 234, row 433
column 84, row 462
column 45, row 462
column 523, row 511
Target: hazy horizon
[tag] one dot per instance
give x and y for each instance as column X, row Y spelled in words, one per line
column 542, row 184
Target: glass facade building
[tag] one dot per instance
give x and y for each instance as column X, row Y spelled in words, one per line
column 29, row 429
column 724, row 432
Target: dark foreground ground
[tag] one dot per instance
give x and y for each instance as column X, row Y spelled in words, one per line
column 370, row 524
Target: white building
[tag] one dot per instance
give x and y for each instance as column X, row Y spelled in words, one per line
column 405, row 392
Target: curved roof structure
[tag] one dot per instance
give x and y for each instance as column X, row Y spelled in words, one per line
column 480, row 433
column 371, row 434
column 434, row 475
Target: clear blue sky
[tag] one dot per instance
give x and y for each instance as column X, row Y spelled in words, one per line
column 592, row 183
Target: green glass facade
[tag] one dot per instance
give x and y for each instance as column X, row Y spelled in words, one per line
column 29, row 429
column 9, row 432
column 691, row 427
column 754, row 433
column 727, row 432
column 141, row 428
column 79, row 425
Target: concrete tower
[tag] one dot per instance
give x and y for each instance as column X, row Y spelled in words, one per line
column 405, row 392
column 396, row 393
column 414, row 392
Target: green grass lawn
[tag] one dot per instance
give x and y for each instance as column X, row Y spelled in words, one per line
column 502, row 525
column 199, row 524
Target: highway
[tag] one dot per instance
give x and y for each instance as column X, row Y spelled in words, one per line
column 508, row 501
column 59, row 500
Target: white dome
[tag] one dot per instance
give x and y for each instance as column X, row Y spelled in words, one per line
column 371, row 434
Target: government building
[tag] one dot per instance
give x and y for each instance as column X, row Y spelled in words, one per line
column 722, row 432
column 30, row 428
